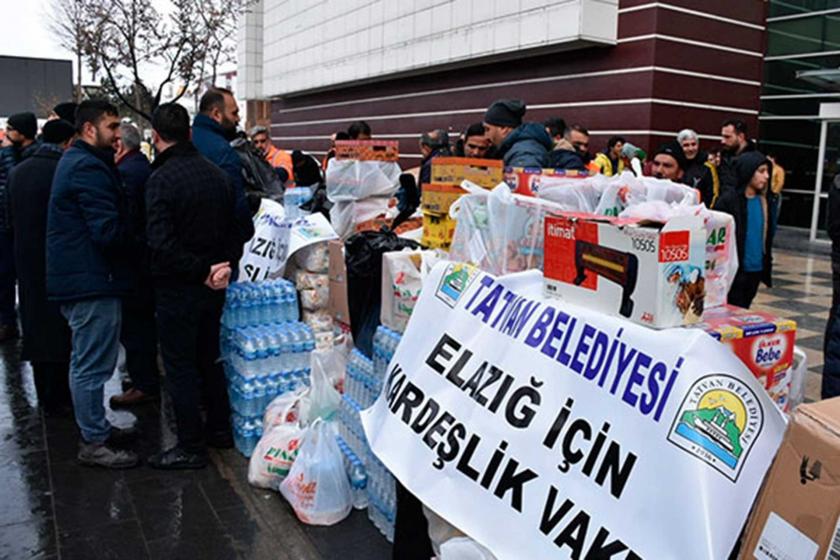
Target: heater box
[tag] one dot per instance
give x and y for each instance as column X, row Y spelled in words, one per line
column 650, row 273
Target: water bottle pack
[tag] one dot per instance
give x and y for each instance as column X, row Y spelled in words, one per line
column 360, row 382
column 247, row 431
column 265, row 350
column 356, row 472
column 385, row 342
column 259, row 303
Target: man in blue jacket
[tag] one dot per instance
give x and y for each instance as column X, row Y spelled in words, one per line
column 88, row 273
column 519, row 144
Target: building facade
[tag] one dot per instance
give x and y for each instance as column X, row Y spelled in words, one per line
column 33, row 84
column 800, row 105
column 631, row 67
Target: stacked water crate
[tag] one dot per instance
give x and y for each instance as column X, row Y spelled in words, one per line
column 265, row 350
column 363, row 385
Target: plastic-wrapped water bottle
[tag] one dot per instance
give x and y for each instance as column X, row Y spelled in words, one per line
column 291, row 303
column 249, row 355
column 358, row 482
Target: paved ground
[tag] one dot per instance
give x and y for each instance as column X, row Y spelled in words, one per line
column 52, row 508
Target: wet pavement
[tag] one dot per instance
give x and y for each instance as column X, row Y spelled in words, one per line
column 51, row 507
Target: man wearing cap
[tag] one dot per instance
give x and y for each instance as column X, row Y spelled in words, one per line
column 669, row 162
column 519, row 144
column 46, row 336
column 21, row 129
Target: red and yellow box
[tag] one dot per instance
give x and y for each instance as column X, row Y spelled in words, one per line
column 527, row 180
column 438, row 230
column 486, row 173
column 367, row 150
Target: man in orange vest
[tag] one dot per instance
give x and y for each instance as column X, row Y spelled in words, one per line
column 276, row 157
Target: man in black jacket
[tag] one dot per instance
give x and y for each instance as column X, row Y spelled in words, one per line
column 831, row 342
column 734, row 142
column 195, row 237
column 46, row 336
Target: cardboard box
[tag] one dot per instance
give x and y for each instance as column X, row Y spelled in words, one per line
column 338, row 302
column 487, row 173
column 439, row 197
column 438, row 230
column 796, row 515
column 367, row 150
column 526, row 180
column 761, row 340
column 649, row 273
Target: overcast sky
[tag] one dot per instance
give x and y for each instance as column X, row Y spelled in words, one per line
column 26, row 30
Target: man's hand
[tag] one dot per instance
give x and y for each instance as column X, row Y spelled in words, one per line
column 219, row 276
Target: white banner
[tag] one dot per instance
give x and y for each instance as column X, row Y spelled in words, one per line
column 545, row 430
column 276, row 239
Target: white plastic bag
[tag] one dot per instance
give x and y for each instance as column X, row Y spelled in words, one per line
column 277, row 449
column 317, row 487
column 323, row 398
column 320, row 321
column 351, row 179
column 313, row 258
column 284, row 409
column 305, row 280
column 344, row 215
column 315, row 299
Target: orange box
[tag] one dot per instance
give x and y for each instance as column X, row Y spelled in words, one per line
column 438, row 197
column 485, row 173
column 368, row 150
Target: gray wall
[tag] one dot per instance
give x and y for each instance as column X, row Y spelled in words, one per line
column 33, row 84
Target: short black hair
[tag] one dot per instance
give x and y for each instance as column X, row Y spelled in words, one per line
column 615, row 140
column 476, row 129
column 357, row 129
column 556, row 126
column 172, row 122
column 341, row 135
column 576, row 128
column 437, row 138
column 92, row 111
column 213, row 98
column 739, row 126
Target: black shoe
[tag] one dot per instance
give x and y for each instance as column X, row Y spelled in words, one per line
column 178, row 459
column 102, row 455
column 222, row 439
column 122, row 436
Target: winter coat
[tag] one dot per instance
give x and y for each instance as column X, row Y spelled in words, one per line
column 526, row 146
column 209, row 139
column 88, row 228
column 734, row 202
column 134, row 170
column 46, row 336
column 191, row 221
column 10, row 156
column 564, row 156
column 727, row 172
column 602, row 159
column 425, row 176
column 702, row 175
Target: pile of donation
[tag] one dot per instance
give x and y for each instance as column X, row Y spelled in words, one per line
column 543, row 362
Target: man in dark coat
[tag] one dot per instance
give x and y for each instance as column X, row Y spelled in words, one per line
column 831, row 342
column 88, row 238
column 195, row 235
column 139, row 333
column 519, row 144
column 753, row 206
column 46, row 336
column 700, row 173
column 434, row 143
column 21, row 129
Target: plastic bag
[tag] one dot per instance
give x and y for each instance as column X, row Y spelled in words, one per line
column 315, row 299
column 350, row 179
column 323, row 399
column 313, row 258
column 500, row 232
column 277, row 449
column 797, row 378
column 305, row 280
column 332, row 364
column 317, row 487
column 346, row 214
column 402, row 279
column 284, row 409
column 363, row 256
column 319, row 321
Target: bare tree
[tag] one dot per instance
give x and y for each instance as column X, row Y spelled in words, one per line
column 71, row 22
column 129, row 38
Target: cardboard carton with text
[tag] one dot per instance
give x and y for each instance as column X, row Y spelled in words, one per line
column 338, row 305
column 796, row 515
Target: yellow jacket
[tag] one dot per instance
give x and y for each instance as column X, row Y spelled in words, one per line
column 606, row 166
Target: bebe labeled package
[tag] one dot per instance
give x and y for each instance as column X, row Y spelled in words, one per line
column 761, row 340
column 650, row 273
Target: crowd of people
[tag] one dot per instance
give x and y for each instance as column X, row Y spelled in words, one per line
column 109, row 248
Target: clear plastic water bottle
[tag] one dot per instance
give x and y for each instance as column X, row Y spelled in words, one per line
column 358, row 482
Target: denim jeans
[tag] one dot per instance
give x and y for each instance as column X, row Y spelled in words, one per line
column 96, row 339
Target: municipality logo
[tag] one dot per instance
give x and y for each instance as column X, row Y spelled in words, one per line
column 456, row 279
column 718, row 422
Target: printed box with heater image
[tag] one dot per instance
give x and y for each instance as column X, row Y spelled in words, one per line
column 650, row 273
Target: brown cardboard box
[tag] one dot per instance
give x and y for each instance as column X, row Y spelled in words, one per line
column 439, row 197
column 485, row 173
column 338, row 303
column 368, row 150
column 796, row 515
